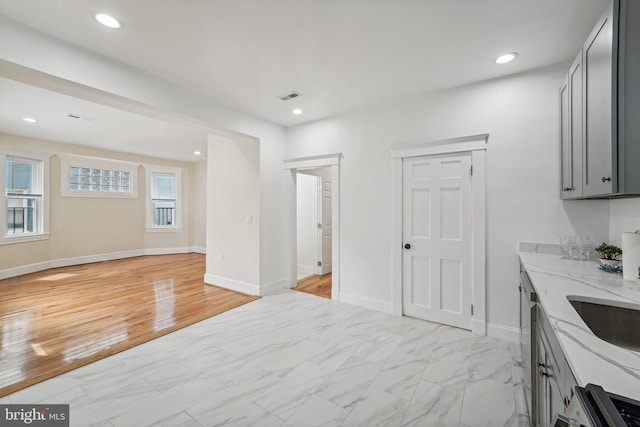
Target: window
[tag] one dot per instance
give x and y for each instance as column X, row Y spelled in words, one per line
column 95, row 177
column 163, row 198
column 24, row 207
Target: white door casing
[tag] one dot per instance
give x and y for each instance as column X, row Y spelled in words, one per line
column 325, row 230
column 290, row 167
column 437, row 238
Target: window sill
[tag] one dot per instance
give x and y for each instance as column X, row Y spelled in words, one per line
column 24, row 239
column 164, row 229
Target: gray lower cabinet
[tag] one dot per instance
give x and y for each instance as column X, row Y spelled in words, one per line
column 552, row 379
column 600, row 106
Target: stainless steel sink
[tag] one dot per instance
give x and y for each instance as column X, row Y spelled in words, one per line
column 615, row 322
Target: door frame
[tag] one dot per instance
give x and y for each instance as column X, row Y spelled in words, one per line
column 477, row 146
column 291, row 167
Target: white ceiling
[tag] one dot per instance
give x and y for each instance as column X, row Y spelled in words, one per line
column 341, row 55
column 112, row 129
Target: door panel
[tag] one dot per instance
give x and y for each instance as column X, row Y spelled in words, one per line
column 437, row 226
column 451, row 285
column 326, row 228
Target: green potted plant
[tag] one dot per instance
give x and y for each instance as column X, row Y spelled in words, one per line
column 609, row 254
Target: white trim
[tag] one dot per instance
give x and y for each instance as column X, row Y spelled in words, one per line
column 163, row 229
column 232, row 284
column 305, row 269
column 443, row 146
column 43, row 208
column 477, row 145
column 290, row 167
column 88, row 259
column 68, row 160
column 503, row 332
column 313, row 161
column 150, row 170
column 24, row 238
column 166, row 251
column 198, row 249
column 370, row 303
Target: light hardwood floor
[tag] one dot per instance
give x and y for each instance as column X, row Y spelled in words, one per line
column 316, row 285
column 56, row 320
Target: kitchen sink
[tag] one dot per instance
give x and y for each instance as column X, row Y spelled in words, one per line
column 613, row 321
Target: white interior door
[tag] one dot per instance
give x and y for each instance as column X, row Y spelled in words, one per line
column 307, row 224
column 436, row 262
column 324, row 238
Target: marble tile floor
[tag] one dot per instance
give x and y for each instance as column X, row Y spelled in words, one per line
column 293, row 359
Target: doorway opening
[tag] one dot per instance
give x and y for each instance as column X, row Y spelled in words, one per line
column 314, row 231
column 328, row 166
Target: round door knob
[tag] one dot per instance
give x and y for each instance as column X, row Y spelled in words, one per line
column 606, row 179
column 407, row 246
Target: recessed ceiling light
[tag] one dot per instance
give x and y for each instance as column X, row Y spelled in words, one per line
column 506, row 58
column 296, row 111
column 108, row 21
column 197, row 153
column 30, row 120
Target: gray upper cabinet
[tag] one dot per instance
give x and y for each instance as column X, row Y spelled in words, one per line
column 600, row 123
column 571, row 131
column 598, row 114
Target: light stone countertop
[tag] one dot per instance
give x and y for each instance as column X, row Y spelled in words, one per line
column 591, row 359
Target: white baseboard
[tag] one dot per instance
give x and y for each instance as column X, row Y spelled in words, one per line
column 305, row 269
column 24, row 269
column 166, row 251
column 373, row 304
column 232, row 284
column 505, row 333
column 273, row 287
column 198, row 250
column 87, row 259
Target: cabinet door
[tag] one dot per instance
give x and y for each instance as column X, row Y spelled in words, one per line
column 565, row 141
column 541, row 406
column 571, row 136
column 598, row 116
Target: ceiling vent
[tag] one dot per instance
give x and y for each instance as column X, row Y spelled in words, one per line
column 290, row 95
column 79, row 117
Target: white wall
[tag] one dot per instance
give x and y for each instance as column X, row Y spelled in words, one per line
column 307, row 220
column 520, row 114
column 199, row 235
column 625, row 217
column 233, row 214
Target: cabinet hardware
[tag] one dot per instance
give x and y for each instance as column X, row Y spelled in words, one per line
column 606, row 179
column 407, row 246
column 544, row 373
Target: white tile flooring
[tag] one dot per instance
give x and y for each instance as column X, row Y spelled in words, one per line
column 294, row 359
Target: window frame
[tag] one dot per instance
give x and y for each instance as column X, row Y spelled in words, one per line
column 67, row 161
column 150, row 172
column 42, row 207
